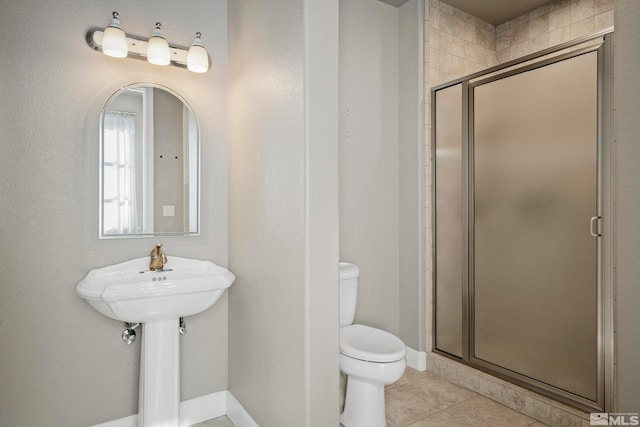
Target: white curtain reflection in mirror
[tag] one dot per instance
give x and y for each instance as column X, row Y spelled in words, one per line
column 120, row 215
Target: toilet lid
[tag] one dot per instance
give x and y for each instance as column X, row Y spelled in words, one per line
column 370, row 344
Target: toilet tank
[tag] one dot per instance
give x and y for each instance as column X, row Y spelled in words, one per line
column 348, row 292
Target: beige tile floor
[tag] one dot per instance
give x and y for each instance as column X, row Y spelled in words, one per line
column 420, row 399
column 216, row 422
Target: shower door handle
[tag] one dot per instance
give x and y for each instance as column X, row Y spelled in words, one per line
column 594, row 230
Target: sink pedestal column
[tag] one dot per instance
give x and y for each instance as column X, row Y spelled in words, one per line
column 159, row 398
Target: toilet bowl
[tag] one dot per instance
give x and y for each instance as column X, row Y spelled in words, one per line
column 370, row 358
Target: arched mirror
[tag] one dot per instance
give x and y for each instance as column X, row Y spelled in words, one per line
column 149, row 164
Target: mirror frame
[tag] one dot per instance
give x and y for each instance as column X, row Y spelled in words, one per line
column 104, row 108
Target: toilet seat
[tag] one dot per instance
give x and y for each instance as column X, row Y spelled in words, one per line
column 370, row 344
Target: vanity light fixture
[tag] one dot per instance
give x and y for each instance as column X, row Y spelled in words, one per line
column 113, row 41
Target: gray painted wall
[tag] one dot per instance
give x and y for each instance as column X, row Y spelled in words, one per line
column 410, row 174
column 168, row 170
column 381, row 162
column 627, row 202
column 283, row 210
column 369, row 201
column 62, row 363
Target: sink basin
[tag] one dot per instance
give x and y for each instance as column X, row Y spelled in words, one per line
column 130, row 292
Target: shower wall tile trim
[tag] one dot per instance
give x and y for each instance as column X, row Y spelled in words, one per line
column 538, row 407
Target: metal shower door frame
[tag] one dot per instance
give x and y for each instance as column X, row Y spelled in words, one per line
column 602, row 44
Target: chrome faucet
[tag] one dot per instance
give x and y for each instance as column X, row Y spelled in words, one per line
column 158, row 258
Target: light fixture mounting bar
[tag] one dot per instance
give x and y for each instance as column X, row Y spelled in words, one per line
column 138, row 47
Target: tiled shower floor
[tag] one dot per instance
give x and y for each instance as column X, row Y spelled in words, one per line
column 420, row 399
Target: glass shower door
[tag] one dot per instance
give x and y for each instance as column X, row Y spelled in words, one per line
column 449, row 261
column 533, row 259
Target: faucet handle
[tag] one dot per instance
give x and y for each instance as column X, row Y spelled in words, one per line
column 158, row 258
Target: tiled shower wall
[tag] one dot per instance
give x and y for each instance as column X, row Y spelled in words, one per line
column 457, row 44
column 550, row 25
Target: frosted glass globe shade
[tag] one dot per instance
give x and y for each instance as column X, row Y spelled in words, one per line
column 114, row 42
column 197, row 59
column 158, row 48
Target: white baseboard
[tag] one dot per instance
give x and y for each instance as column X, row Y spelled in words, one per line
column 203, row 408
column 200, row 409
column 130, row 421
column 417, row 359
column 237, row 414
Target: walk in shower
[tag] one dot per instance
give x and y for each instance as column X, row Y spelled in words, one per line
column 521, row 218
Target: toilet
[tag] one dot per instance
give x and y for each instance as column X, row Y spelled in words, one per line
column 370, row 358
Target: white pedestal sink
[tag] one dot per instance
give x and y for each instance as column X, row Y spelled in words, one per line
column 130, row 292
